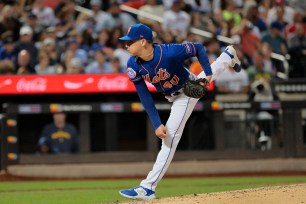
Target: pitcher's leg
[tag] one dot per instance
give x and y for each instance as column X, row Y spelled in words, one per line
column 227, row 60
column 180, row 112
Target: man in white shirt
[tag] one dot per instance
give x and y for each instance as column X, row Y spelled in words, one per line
column 102, row 18
column 151, row 7
column 230, row 81
column 288, row 12
column 45, row 15
column 176, row 20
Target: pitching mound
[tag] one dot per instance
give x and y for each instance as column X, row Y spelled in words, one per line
column 288, row 194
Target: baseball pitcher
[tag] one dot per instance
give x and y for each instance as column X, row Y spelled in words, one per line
column 162, row 65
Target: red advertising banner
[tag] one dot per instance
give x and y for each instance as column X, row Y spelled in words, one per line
column 63, row 84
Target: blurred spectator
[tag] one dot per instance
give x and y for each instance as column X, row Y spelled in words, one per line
column 49, row 32
column 250, row 12
column 274, row 38
column 31, row 21
column 114, row 40
column 196, row 67
column 225, row 28
column 297, row 5
column 43, row 66
column 62, row 28
column 116, row 66
column 191, row 37
column 176, row 20
column 49, row 48
column 167, row 4
column 26, row 43
column 7, row 67
column 59, row 136
column 269, row 64
column 8, row 50
column 204, row 6
column 297, row 40
column 66, row 17
column 263, row 8
column 59, row 33
column 103, row 43
column 73, row 51
column 2, row 4
column 75, row 66
column 202, row 14
column 297, row 51
column 122, row 19
column 280, row 17
column 24, row 66
column 61, row 4
column 212, row 48
column 85, row 22
column 200, row 21
column 9, row 22
column 291, row 27
column 151, row 7
column 279, row 5
column 45, row 15
column 230, row 12
column 166, row 36
column 257, row 70
column 230, row 82
column 99, row 65
column 86, row 39
column 103, row 19
column 250, row 40
column 123, row 55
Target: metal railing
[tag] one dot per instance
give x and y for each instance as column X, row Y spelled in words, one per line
column 206, row 34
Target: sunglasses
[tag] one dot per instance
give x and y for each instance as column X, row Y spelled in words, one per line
column 130, row 42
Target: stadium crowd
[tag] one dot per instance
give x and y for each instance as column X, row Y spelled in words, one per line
column 52, row 37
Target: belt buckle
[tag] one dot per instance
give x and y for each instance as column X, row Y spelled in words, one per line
column 177, row 93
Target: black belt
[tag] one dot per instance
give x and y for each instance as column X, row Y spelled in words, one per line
column 176, row 93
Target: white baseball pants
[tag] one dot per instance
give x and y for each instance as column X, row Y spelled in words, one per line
column 181, row 110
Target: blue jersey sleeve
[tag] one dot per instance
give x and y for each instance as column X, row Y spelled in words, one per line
column 190, row 49
column 203, row 59
column 148, row 103
column 143, row 92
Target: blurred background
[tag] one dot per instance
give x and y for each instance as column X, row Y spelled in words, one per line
column 64, row 90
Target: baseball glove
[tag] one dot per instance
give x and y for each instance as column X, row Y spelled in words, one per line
column 196, row 88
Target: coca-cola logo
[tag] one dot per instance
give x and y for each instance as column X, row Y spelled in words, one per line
column 31, row 85
column 116, row 83
column 77, row 85
column 5, row 83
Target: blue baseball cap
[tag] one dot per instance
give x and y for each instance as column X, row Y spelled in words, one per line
column 137, row 32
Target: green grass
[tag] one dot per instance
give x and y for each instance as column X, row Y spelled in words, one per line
column 106, row 191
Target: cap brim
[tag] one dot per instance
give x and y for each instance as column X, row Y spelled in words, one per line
column 125, row 38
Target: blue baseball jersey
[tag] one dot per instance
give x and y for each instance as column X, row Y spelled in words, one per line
column 165, row 71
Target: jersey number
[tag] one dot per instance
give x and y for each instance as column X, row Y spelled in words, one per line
column 173, row 81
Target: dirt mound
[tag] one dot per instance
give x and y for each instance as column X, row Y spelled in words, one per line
column 287, row 194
